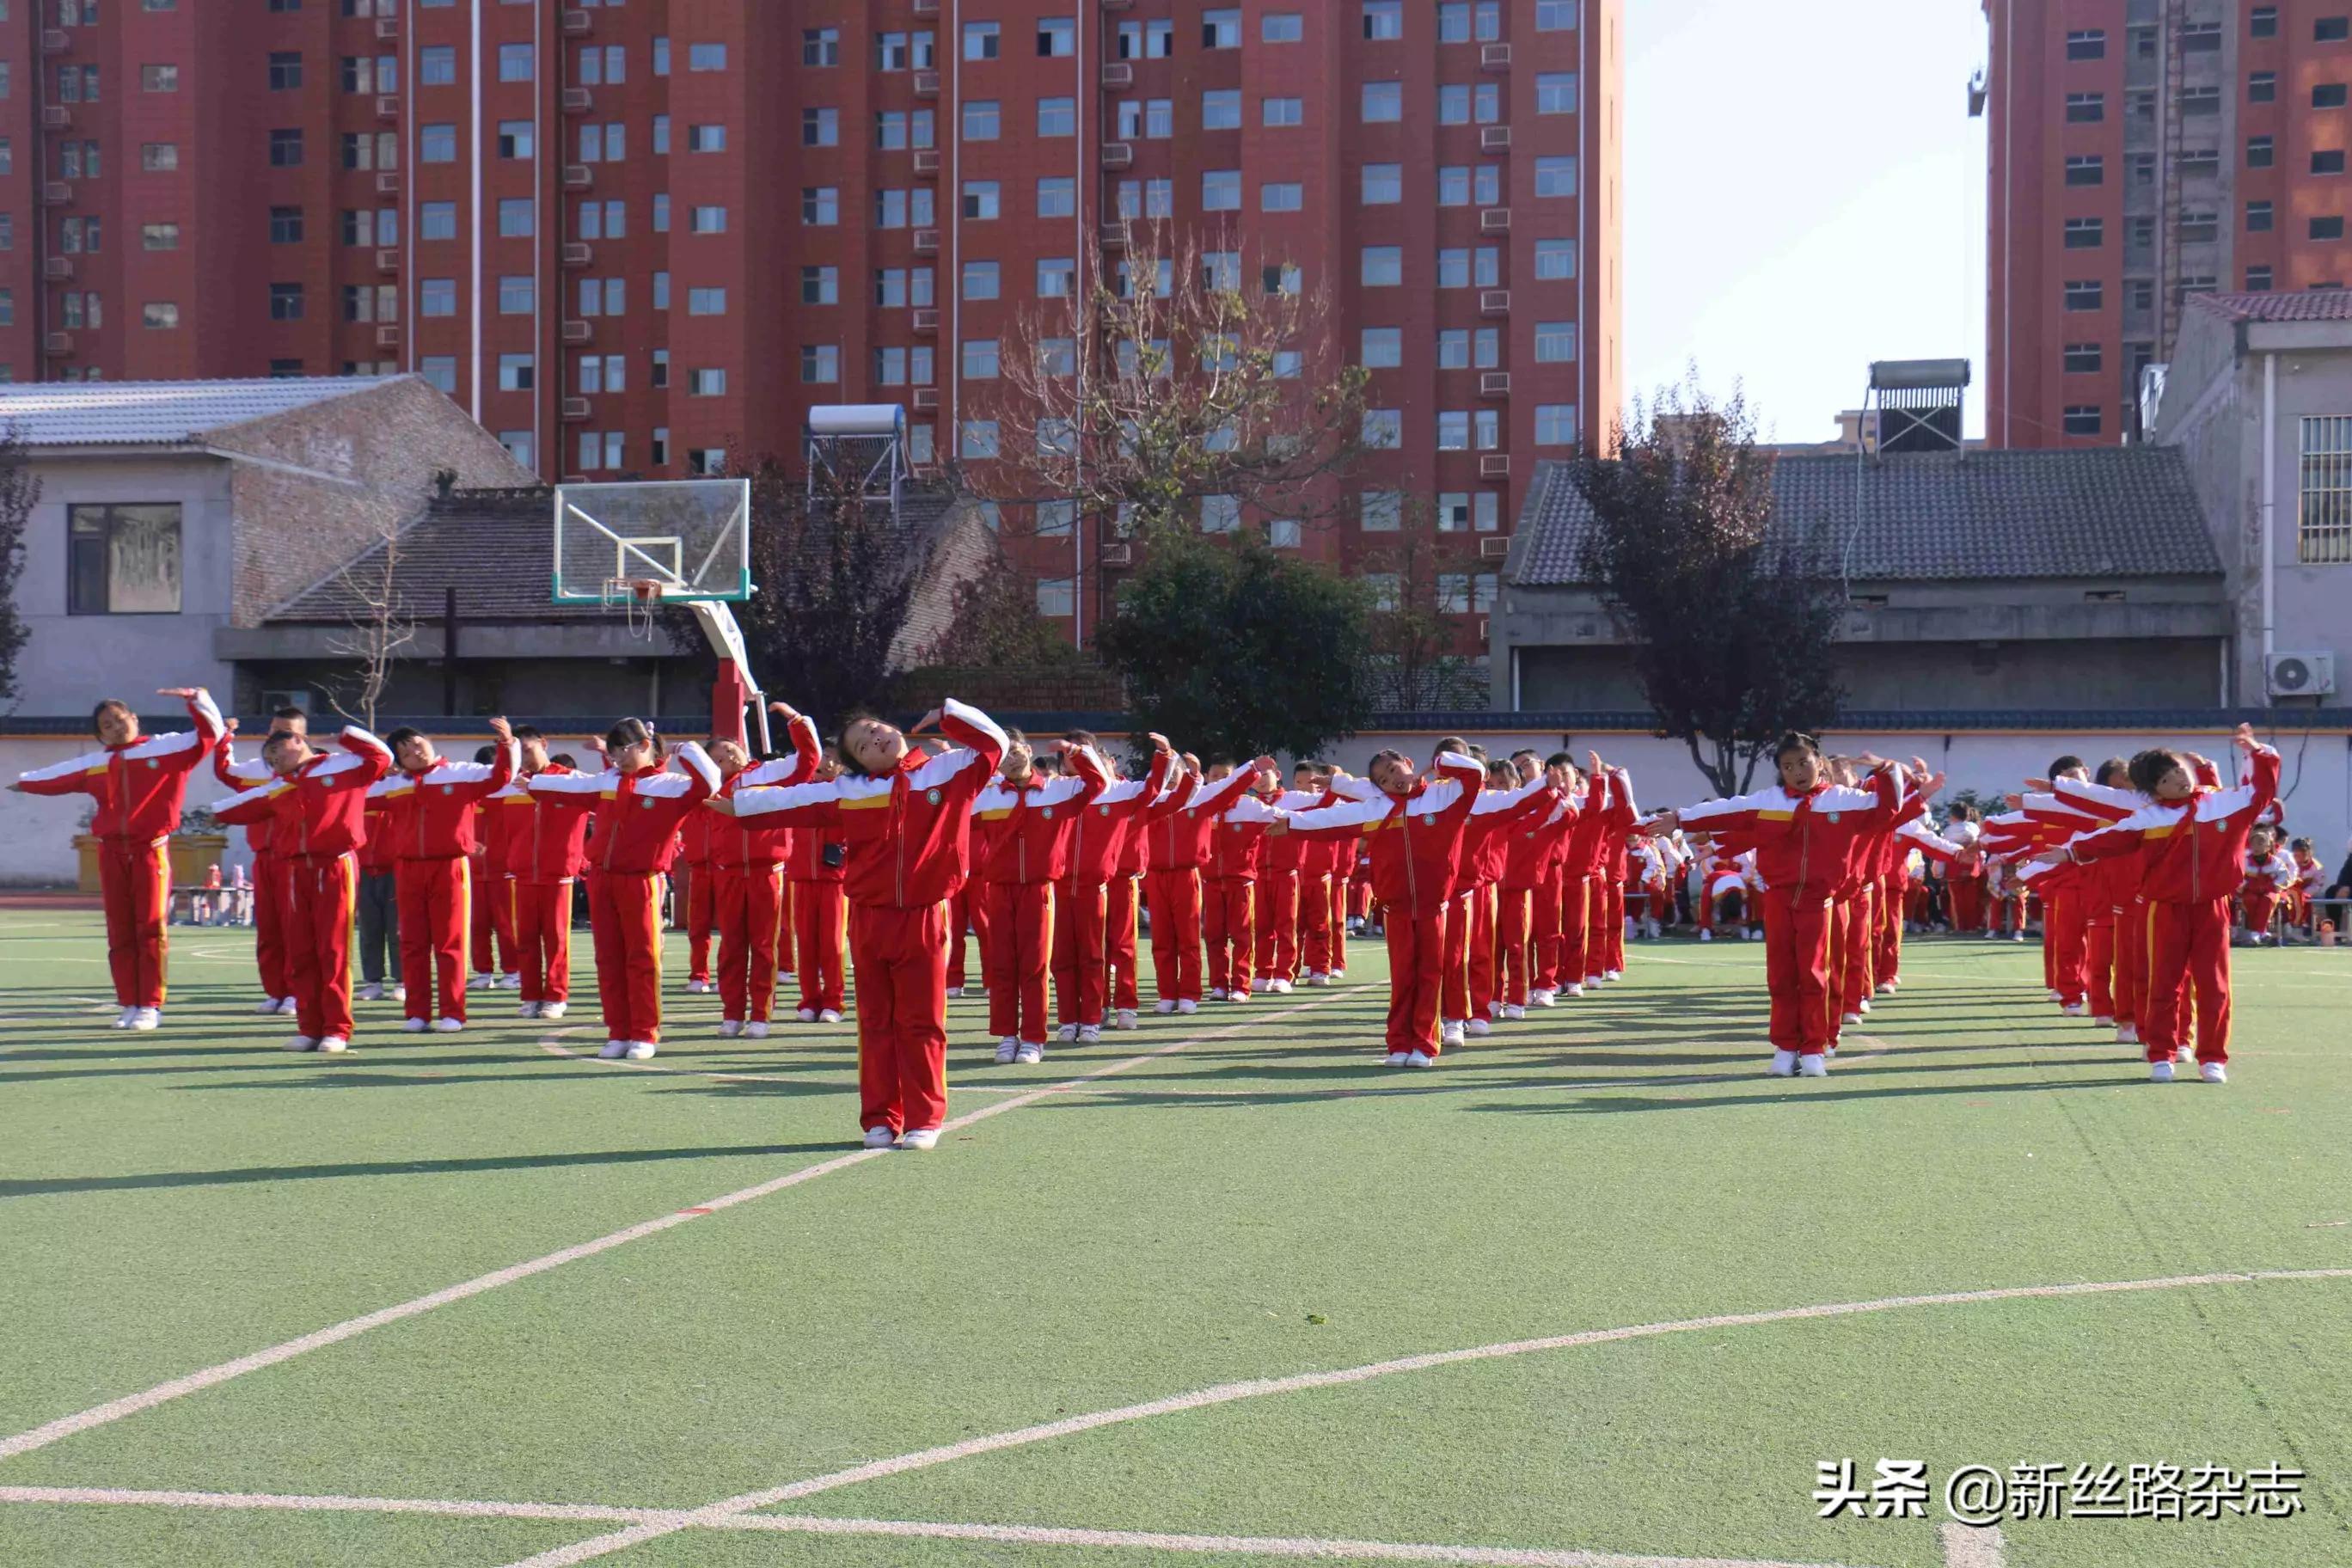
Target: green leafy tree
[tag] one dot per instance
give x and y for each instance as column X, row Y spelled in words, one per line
column 20, row 491
column 1732, row 614
column 1235, row 652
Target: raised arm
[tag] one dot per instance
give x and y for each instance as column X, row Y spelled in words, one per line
column 1175, row 801
column 258, row 804
column 1342, row 819
column 74, row 775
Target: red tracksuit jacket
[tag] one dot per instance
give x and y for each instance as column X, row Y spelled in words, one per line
column 430, row 816
column 735, row 845
column 1801, row 840
column 1179, row 841
column 2196, row 847
column 1028, row 827
column 317, row 812
column 636, row 814
column 140, row 784
column 1100, row 835
column 1414, row 838
column 545, row 841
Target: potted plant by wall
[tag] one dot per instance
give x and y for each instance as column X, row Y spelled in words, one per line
column 196, row 847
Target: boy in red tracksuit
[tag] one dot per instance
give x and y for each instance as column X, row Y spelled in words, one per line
column 813, row 871
column 1466, row 996
column 1030, row 817
column 137, row 784
column 379, row 905
column 1574, row 967
column 696, row 894
column 1229, row 867
column 1279, row 859
column 905, row 817
column 490, row 921
column 2195, row 838
column 268, row 901
column 427, row 805
column 1802, row 828
column 1317, row 860
column 1127, row 893
column 546, row 848
column 1084, row 937
column 1530, row 865
column 1413, row 827
column 752, row 900
column 316, row 803
column 2115, row 948
column 634, row 833
column 1175, row 844
column 2270, row 877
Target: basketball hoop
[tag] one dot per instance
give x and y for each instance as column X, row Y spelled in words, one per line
column 640, row 599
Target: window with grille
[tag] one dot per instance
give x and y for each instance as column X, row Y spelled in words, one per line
column 2324, row 532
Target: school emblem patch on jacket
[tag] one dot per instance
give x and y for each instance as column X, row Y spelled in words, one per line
column 932, row 796
column 1104, row 809
column 1831, row 816
column 1047, row 814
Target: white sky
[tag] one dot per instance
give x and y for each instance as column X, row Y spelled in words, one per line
column 1804, row 193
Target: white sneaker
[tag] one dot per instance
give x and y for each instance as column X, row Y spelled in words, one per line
column 697, row 987
column 447, row 1025
column 1280, row 987
column 955, row 991
column 1237, row 996
column 2102, row 1023
column 1593, row 982
column 917, row 1140
column 1477, row 1029
column 1831, row 1049
column 1125, row 1020
column 302, row 1043
column 1887, row 988
column 2052, row 995
column 1573, row 988
column 510, row 980
column 1863, row 1005
column 614, row 1050
column 786, row 977
column 2017, row 936
column 1812, row 1067
column 1164, row 1006
column 1316, row 977
column 127, row 1018
column 1784, row 1064
column 480, row 981
column 1848, row 1017
column 1338, row 974
column 1512, row 1010
column 728, row 1028
column 2186, row 1054
column 287, row 1007
column 527, row 1010
column 1420, row 1059
column 641, row 1050
column 880, row 1137
column 1612, row 975
column 554, row 1009
column 1395, row 1059
column 2213, row 1072
column 806, row 1016
column 2159, row 1072
column 398, row 993
column 2075, row 1010
column 1066, row 1033
column 1029, row 1055
column 1006, row 1049
column 2126, row 1034
column 1451, row 1034
column 1216, row 992
column 268, row 1005
column 1540, row 997
column 1756, row 936
column 1186, row 1004
column 1090, row 1034
column 1707, row 935
column 414, row 1026
column 370, row 993
column 828, row 1016
column 334, row 1045
column 757, row 1029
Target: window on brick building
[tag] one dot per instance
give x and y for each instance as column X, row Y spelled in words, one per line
column 2086, row 233
column 2085, row 169
column 2083, row 358
column 2086, row 108
column 2086, row 43
column 2083, row 418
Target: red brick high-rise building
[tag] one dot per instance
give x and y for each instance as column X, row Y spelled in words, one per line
column 2144, row 151
column 642, row 238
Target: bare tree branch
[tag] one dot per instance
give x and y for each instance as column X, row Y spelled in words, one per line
column 379, row 629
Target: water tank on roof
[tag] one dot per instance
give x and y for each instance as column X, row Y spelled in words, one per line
column 856, row 419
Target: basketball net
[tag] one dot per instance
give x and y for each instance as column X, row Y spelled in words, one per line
column 640, row 599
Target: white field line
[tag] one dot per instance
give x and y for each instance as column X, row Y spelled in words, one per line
column 130, row 1404
column 712, row 1514
column 1966, row 1546
column 796, row 1525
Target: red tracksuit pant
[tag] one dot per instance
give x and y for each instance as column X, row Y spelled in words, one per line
column 492, row 929
column 1968, row 903
column 1572, row 958
column 1416, row 961
column 750, row 909
column 437, row 911
column 1081, row 966
column 2065, row 930
column 968, row 911
column 1515, row 945
column 322, row 894
column 2131, row 961
column 820, row 919
column 1543, row 919
column 902, row 1016
column 1019, row 947
column 696, row 908
column 1229, row 929
column 270, row 926
column 2260, row 905
column 1796, row 970
column 1120, row 898
column 136, row 882
column 1175, row 934
column 1277, row 925
column 541, row 912
column 1314, row 923
column 1484, row 961
column 1856, row 950
column 1612, row 929
column 1454, row 979
column 625, row 913
column 1340, row 897
column 2188, row 951
column 2099, row 963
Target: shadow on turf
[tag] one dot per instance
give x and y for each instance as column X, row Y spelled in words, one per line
column 38, row 1187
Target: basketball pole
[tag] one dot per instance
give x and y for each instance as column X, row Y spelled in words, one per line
column 726, row 640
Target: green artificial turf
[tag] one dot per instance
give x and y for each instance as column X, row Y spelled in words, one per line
column 1266, row 1201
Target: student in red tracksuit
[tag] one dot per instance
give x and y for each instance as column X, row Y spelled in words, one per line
column 490, row 920
column 1279, row 859
column 2195, row 842
column 1466, row 993
column 546, row 848
column 1125, row 893
column 379, row 905
column 1316, row 860
column 813, row 871
column 1413, row 827
column 634, row 834
column 1229, row 867
column 905, row 817
column 968, row 912
column 1530, row 865
column 268, row 904
column 751, row 907
column 694, row 894
column 1802, row 828
column 1577, row 970
column 2115, row 881
column 429, row 814
column 1175, row 844
column 1030, row 812
column 137, row 783
column 1085, row 947
column 2270, row 877
column 316, row 802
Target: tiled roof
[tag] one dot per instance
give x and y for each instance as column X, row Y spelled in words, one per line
column 158, row 413
column 2100, row 511
column 2304, row 305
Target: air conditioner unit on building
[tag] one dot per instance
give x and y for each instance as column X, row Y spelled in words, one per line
column 2299, row 674
column 1118, row 556
column 1494, row 548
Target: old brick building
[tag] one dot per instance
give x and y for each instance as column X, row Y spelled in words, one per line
column 644, row 239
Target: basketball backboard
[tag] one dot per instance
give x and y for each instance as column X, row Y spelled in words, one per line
column 689, row 537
